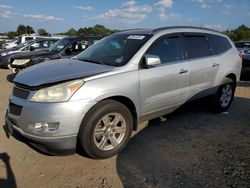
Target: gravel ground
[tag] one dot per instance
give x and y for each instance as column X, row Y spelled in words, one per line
column 188, row 148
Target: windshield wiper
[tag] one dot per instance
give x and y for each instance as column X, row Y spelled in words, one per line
column 92, row 61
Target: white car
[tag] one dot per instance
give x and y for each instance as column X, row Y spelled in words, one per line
column 10, row 44
column 100, row 96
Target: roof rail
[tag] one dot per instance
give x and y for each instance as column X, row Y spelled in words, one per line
column 184, row 27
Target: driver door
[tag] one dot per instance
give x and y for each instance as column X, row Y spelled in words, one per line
column 165, row 86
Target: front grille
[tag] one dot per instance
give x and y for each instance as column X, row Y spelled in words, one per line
column 15, row 109
column 20, row 93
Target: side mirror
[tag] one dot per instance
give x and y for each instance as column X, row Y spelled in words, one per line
column 151, row 60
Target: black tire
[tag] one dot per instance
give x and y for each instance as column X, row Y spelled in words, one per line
column 94, row 118
column 218, row 104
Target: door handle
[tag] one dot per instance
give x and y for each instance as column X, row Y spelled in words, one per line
column 182, row 71
column 215, row 65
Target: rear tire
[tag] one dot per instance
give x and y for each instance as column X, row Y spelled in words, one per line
column 106, row 129
column 224, row 97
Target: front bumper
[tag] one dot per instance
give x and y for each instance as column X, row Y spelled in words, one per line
column 16, row 68
column 69, row 115
column 13, row 70
column 4, row 62
column 53, row 146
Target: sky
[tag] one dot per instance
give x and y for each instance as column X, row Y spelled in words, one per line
column 60, row 15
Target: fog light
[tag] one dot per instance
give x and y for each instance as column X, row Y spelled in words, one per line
column 43, row 128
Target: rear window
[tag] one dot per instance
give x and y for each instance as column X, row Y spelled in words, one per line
column 197, row 46
column 28, row 38
column 219, row 44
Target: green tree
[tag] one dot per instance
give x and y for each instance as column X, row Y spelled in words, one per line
column 71, row 32
column 29, row 29
column 21, row 29
column 42, row 32
column 11, row 34
column 96, row 30
column 241, row 33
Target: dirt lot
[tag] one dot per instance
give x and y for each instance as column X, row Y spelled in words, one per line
column 189, row 148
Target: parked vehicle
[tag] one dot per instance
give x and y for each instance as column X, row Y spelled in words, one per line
column 102, row 94
column 24, row 38
column 64, row 48
column 2, row 42
column 11, row 44
column 244, row 49
column 32, row 45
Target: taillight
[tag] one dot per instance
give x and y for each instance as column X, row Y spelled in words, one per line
column 241, row 55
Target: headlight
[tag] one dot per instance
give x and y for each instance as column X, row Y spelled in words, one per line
column 4, row 54
column 20, row 61
column 58, row 93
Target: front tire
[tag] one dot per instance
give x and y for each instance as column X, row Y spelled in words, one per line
column 106, row 129
column 224, row 97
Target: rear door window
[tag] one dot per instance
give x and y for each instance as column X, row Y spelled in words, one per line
column 197, row 46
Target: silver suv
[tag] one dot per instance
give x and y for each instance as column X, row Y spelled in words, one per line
column 97, row 98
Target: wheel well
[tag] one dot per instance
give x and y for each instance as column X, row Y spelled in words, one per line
column 232, row 77
column 130, row 105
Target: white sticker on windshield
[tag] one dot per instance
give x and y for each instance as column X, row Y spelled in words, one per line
column 136, row 37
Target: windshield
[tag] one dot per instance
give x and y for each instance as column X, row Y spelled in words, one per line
column 59, row 45
column 114, row 50
column 12, row 41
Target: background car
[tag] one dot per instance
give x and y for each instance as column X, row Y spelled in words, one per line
column 244, row 49
column 24, row 47
column 25, row 38
column 11, row 44
column 1, row 44
column 64, row 48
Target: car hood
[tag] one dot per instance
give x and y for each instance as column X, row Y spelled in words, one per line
column 8, row 50
column 55, row 71
column 38, row 53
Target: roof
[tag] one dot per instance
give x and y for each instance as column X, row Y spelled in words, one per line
column 185, row 27
column 136, row 31
column 154, row 31
column 43, row 39
column 83, row 36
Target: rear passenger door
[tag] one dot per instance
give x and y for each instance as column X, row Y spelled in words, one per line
column 202, row 65
column 164, row 86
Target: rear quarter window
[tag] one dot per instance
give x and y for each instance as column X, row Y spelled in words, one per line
column 219, row 44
